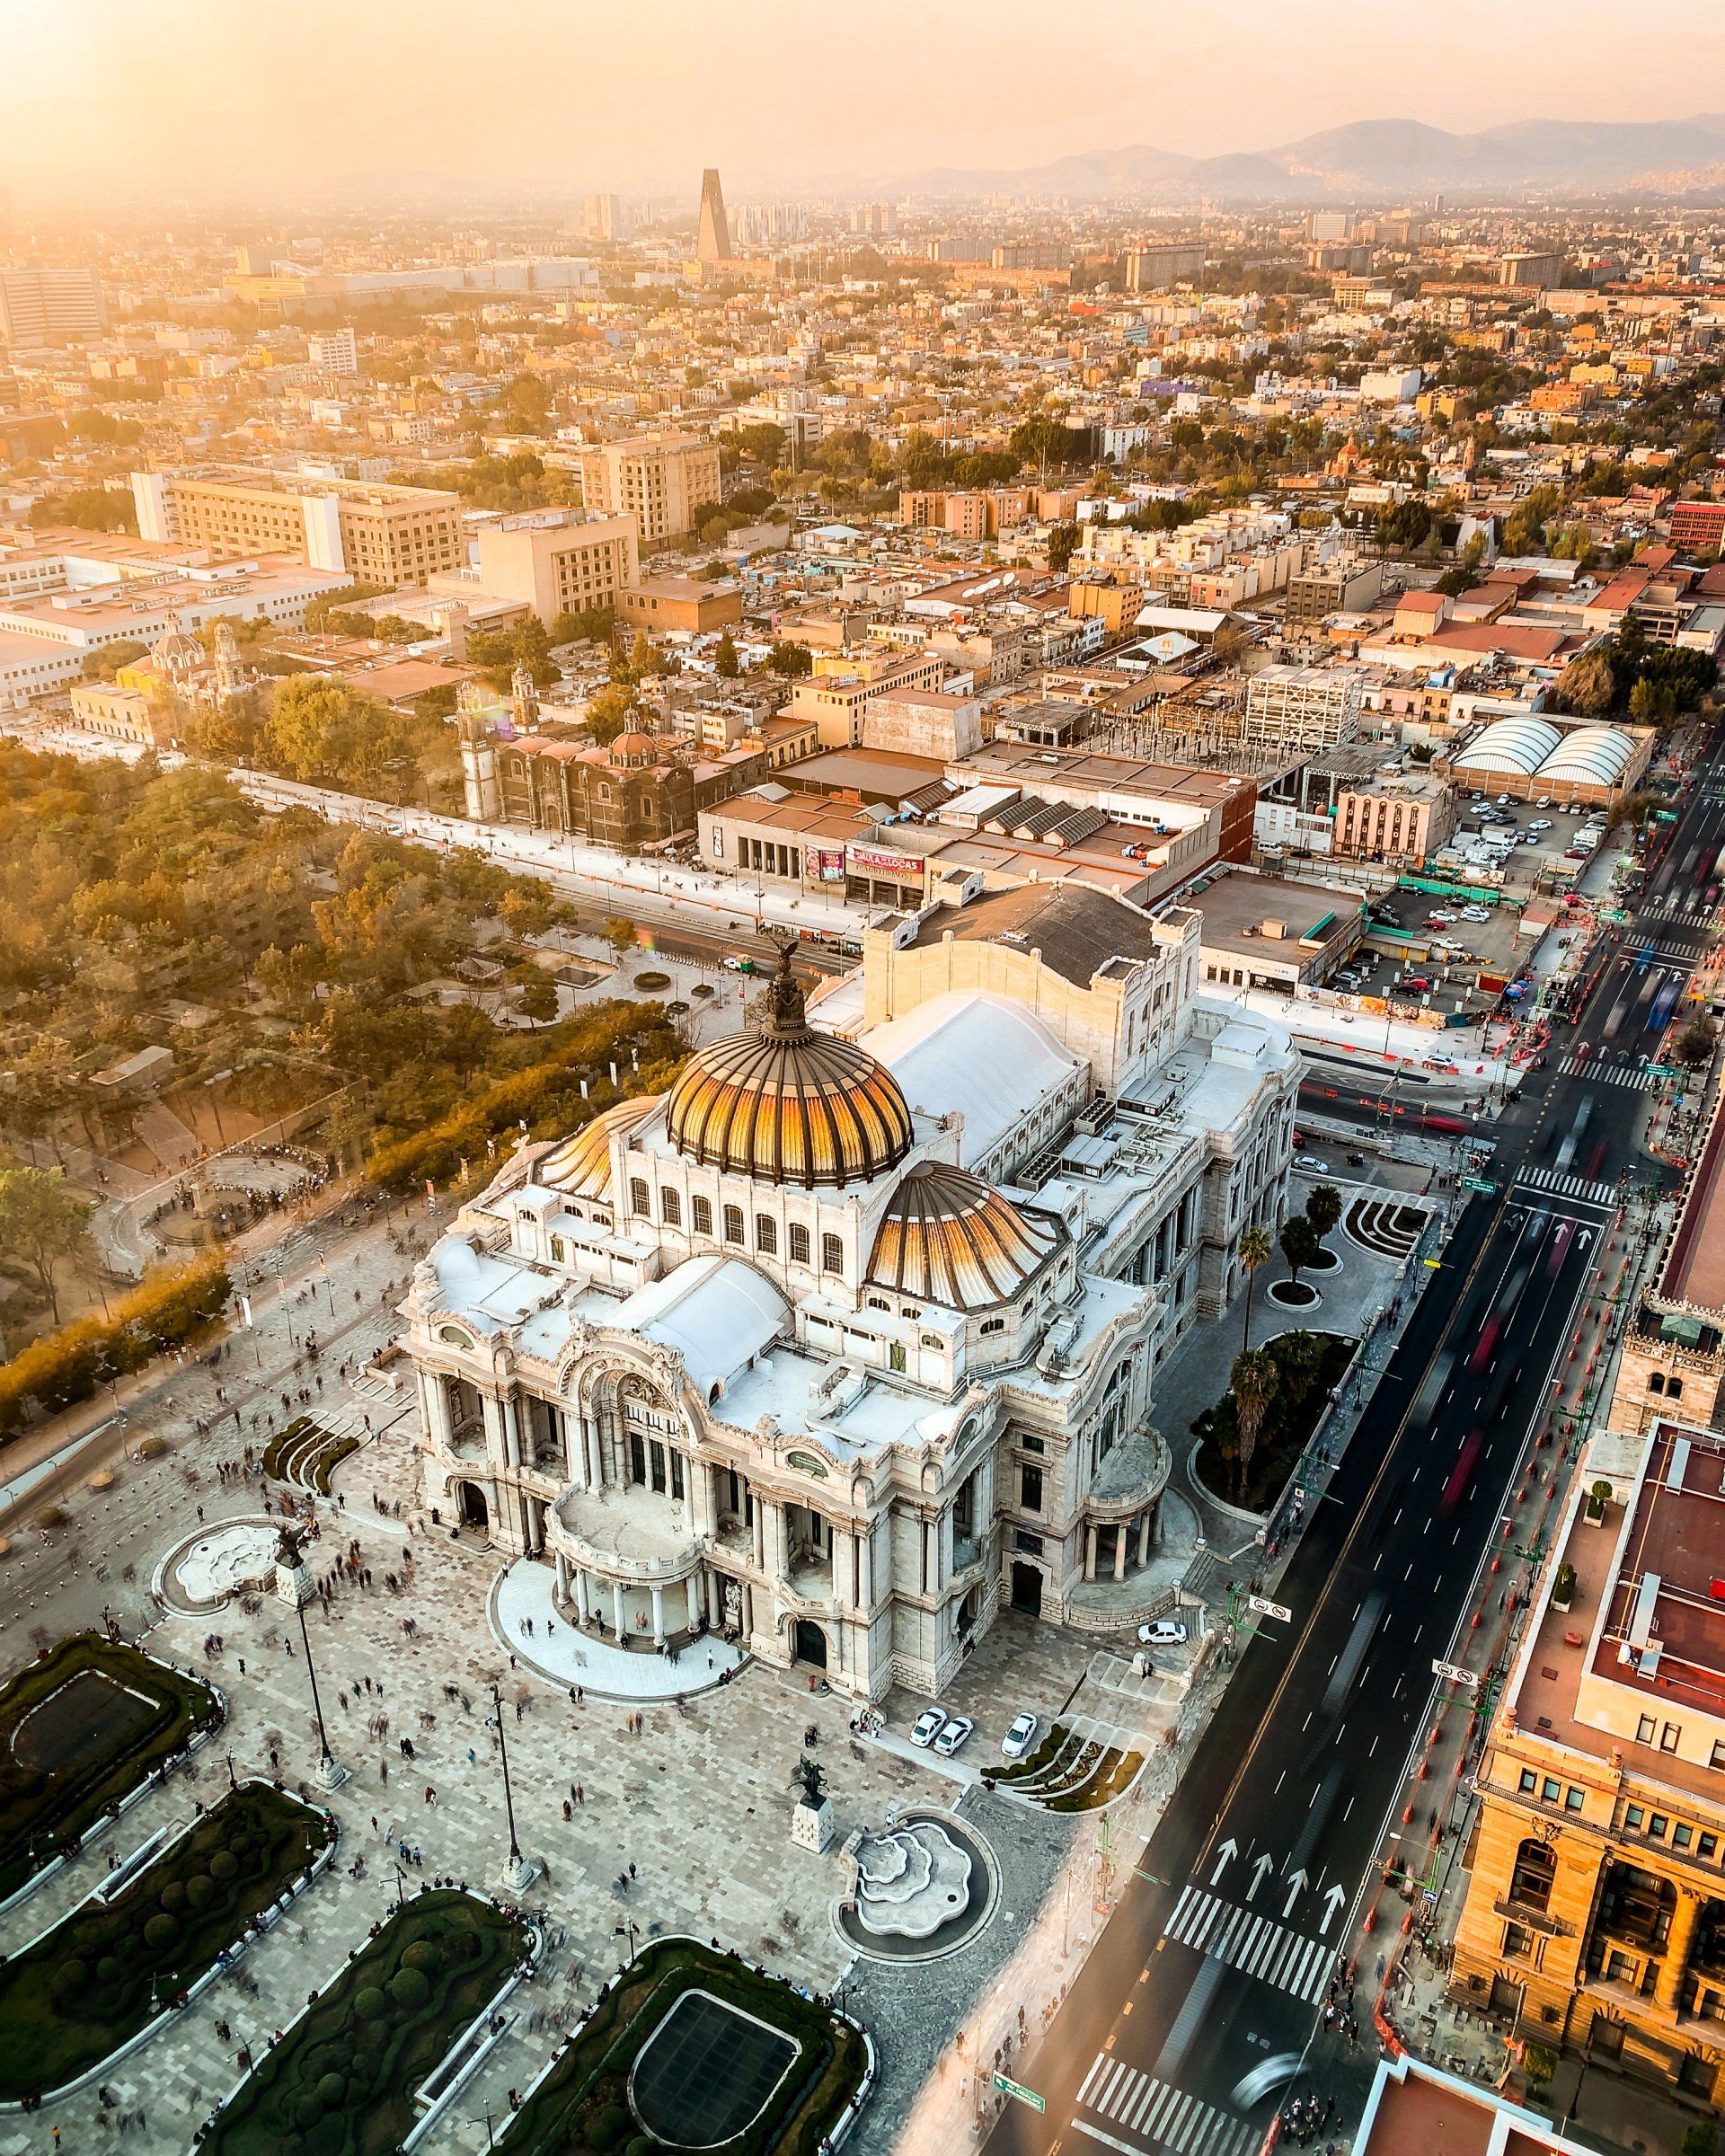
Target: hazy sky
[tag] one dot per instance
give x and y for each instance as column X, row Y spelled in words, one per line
column 284, row 98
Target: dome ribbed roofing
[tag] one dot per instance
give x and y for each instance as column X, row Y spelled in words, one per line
column 1521, row 744
column 579, row 1165
column 1591, row 756
column 785, row 1104
column 948, row 1238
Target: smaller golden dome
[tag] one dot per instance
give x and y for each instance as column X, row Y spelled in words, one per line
column 579, row 1165
column 947, row 1237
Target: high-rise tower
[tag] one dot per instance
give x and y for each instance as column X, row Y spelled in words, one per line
column 712, row 234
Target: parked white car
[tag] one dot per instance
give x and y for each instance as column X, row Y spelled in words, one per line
column 1020, row 1737
column 930, row 1723
column 959, row 1727
column 1166, row 1631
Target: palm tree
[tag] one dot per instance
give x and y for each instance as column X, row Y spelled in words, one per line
column 1300, row 1357
column 1300, row 1244
column 1254, row 1252
column 1254, row 1379
column 1323, row 1208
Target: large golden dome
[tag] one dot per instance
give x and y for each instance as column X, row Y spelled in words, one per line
column 579, row 1165
column 784, row 1103
column 947, row 1237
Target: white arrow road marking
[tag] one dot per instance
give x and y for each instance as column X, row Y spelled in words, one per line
column 1265, row 1863
column 1229, row 1850
column 1330, row 1900
column 1296, row 1880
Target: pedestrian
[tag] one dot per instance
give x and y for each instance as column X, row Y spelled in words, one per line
column 430, row 1795
column 580, row 1793
column 631, row 1871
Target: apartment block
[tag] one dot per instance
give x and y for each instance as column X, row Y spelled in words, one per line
column 558, row 561
column 1595, row 1916
column 660, row 480
column 50, row 306
column 378, row 534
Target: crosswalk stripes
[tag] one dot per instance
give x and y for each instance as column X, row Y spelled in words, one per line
column 1257, row 1945
column 1632, row 1078
column 1566, row 1186
column 1158, row 2113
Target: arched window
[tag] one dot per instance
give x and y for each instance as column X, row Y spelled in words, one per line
column 733, row 1224
column 799, row 1243
column 993, row 1325
column 640, row 1196
column 1673, row 1388
column 702, row 1210
column 832, row 1254
column 1530, row 1883
column 670, row 1208
column 766, row 1234
column 1656, row 1383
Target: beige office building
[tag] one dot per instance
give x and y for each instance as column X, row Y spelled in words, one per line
column 660, row 480
column 378, row 534
column 558, row 561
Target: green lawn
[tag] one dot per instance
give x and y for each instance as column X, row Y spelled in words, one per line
column 63, row 1760
column 85, row 1988
column 582, row 2104
column 341, row 2082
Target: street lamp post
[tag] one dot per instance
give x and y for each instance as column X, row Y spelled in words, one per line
column 331, row 1773
column 518, row 1873
column 631, row 1931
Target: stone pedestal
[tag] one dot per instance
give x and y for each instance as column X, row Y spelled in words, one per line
column 517, row 1875
column 331, row 1773
column 811, row 1824
column 294, row 1583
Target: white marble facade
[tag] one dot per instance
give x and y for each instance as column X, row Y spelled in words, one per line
column 765, row 1355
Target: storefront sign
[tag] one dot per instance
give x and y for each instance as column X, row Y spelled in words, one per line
column 874, row 861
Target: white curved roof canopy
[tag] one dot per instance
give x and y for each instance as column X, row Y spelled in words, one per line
column 1592, row 755
column 1512, row 744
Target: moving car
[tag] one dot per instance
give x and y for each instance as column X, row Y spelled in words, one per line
column 930, row 1723
column 1018, row 1739
column 959, row 1727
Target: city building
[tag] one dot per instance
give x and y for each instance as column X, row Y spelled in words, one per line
column 1543, row 269
column 333, row 352
column 804, row 1348
column 376, row 533
column 1156, row 269
column 1415, row 2108
column 1303, row 708
column 712, row 230
column 1698, row 527
column 1545, row 755
column 1595, row 1918
column 663, row 481
column 553, row 560
column 1268, row 931
column 51, row 306
column 683, row 605
column 636, row 792
column 1672, row 1354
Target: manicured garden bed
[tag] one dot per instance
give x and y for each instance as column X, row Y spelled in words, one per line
column 341, row 2081
column 79, row 1730
column 1293, row 1414
column 677, row 2040
column 82, row 1990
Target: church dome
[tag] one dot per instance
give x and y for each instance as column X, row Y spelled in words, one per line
column 579, row 1165
column 947, row 1237
column 785, row 1104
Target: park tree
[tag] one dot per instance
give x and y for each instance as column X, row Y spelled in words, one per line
column 791, row 662
column 1324, row 1209
column 538, row 998
column 1253, row 1381
column 1300, row 1244
column 1586, row 686
column 1254, row 1255
column 43, row 1224
column 326, row 733
column 1062, row 545
column 1695, row 1046
column 725, row 661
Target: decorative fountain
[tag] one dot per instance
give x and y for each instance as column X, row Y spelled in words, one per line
column 920, row 1888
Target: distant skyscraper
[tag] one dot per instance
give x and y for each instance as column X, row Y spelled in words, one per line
column 712, row 234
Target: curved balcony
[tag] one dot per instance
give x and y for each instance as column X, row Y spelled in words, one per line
column 1134, row 1474
column 625, row 1534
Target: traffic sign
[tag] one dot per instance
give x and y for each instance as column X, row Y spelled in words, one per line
column 1024, row 2096
column 1451, row 1673
column 1269, row 1609
column 1480, row 1184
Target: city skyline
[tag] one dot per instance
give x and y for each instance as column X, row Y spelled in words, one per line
column 84, row 82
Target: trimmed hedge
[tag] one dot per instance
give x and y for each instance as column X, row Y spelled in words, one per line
column 167, row 1307
column 342, row 2081
column 546, row 1095
column 575, row 2108
column 84, row 1989
column 50, row 1810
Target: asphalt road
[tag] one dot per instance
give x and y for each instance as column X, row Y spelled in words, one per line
column 1195, row 2015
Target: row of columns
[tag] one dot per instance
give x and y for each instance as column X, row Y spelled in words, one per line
column 1124, row 1533
column 589, row 1598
